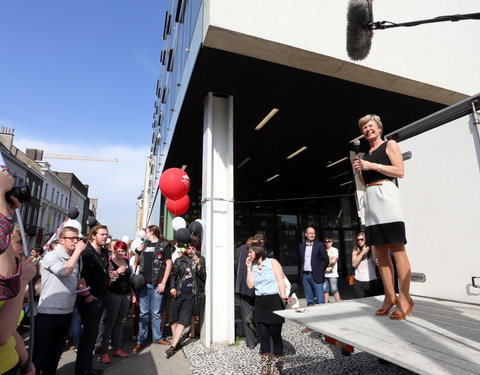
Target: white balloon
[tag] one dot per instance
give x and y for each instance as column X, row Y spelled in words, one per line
column 75, row 224
column 125, row 239
column 200, row 221
column 141, row 233
column 135, row 243
column 178, row 223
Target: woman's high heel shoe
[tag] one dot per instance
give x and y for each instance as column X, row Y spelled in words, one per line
column 402, row 316
column 382, row 312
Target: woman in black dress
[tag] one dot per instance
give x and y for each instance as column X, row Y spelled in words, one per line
column 384, row 225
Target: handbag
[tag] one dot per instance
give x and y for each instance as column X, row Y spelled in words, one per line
column 136, row 280
column 351, row 279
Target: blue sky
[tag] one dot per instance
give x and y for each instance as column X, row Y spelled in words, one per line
column 79, row 78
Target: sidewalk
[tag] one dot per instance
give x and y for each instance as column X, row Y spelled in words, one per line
column 150, row 361
column 305, row 353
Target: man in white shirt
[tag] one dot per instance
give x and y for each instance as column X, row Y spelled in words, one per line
column 331, row 273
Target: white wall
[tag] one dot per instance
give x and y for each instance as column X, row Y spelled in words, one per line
column 442, row 54
column 441, row 201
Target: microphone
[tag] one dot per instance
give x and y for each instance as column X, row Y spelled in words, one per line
column 293, row 289
column 356, row 147
column 359, row 28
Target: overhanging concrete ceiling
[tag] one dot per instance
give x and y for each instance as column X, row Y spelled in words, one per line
column 315, row 111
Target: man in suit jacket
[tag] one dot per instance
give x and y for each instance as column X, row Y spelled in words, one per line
column 313, row 262
column 246, row 294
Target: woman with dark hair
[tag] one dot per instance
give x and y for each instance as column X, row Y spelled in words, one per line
column 384, row 224
column 199, row 299
column 266, row 276
column 117, row 302
column 189, row 272
column 367, row 283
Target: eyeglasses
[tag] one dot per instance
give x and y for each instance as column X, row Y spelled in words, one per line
column 74, row 239
column 360, row 239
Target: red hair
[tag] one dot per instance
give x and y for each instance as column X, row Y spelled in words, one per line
column 120, row 245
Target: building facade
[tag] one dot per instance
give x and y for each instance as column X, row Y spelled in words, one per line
column 260, row 101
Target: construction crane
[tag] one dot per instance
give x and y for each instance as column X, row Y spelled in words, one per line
column 48, row 155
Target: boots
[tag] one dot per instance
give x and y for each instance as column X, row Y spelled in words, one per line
column 266, row 363
column 277, row 365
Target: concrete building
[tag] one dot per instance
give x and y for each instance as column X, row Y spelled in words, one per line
column 52, row 193
column 78, row 196
column 259, row 99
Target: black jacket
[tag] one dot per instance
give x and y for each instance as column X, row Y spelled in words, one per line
column 161, row 254
column 241, row 281
column 95, row 270
column 199, row 274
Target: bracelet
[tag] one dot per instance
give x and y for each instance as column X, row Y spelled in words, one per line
column 379, row 166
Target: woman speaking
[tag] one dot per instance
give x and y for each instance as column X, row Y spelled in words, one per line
column 385, row 228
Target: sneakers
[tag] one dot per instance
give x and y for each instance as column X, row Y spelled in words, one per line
column 98, row 349
column 105, row 358
column 120, row 353
column 169, row 352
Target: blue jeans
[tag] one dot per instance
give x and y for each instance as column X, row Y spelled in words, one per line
column 150, row 304
column 76, row 327
column 313, row 291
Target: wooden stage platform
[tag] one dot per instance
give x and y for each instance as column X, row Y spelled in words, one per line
column 440, row 337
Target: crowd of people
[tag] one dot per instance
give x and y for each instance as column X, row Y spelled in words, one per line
column 86, row 287
column 260, row 281
column 83, row 293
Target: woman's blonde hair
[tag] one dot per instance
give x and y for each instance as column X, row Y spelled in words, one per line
column 367, row 118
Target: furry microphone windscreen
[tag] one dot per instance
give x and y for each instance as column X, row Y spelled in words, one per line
column 359, row 34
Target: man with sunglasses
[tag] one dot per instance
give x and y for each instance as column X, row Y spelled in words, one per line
column 60, row 273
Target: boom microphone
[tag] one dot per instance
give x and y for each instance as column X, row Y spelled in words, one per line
column 360, row 26
column 359, row 32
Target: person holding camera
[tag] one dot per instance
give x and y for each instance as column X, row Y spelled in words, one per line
column 60, row 273
column 117, row 302
column 14, row 277
column 9, row 282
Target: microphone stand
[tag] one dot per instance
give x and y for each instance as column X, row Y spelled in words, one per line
column 453, row 18
column 31, row 290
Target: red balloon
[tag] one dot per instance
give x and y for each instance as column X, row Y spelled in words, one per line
column 174, row 183
column 180, row 206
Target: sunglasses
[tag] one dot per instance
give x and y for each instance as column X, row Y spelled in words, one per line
column 74, row 239
column 360, row 239
column 327, row 241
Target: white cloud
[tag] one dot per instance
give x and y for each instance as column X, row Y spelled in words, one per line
column 116, row 185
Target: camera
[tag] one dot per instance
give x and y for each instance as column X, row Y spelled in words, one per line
column 21, row 192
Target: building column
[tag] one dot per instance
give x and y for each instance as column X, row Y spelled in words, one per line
column 217, row 217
